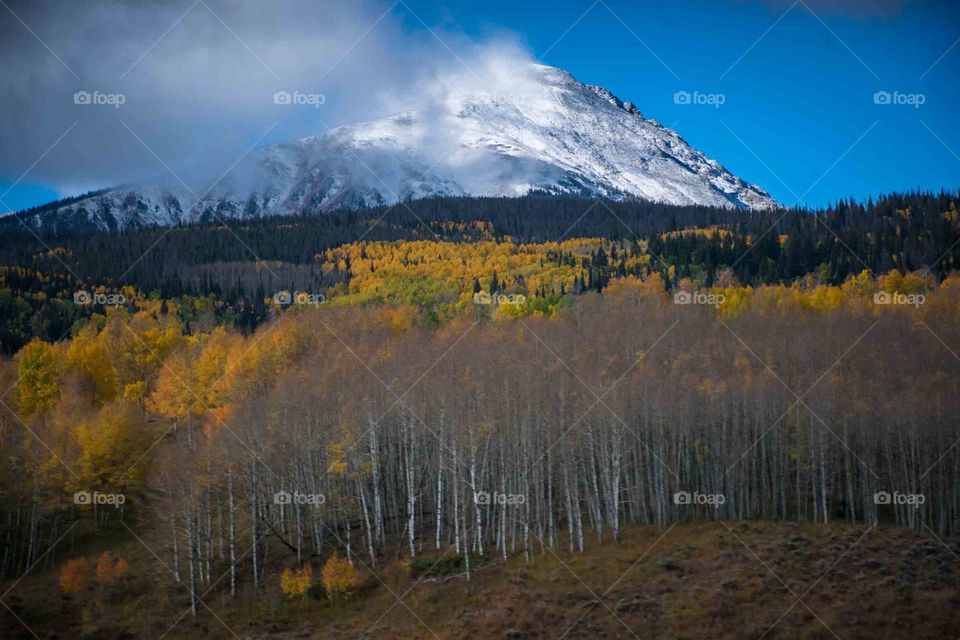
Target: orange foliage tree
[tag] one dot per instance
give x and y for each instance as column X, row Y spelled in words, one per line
column 108, row 571
column 75, row 576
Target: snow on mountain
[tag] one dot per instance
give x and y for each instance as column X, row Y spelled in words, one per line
column 545, row 132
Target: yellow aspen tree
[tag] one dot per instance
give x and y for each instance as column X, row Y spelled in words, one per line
column 339, row 577
column 39, row 378
column 295, row 583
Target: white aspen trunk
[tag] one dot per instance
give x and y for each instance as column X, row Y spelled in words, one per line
column 823, row 479
column 366, row 519
column 232, row 508
column 466, row 547
column 220, row 539
column 346, row 529
column 191, row 544
column 478, row 521
column 208, row 556
column 615, row 484
column 578, row 516
column 502, row 529
column 597, row 509
column 176, row 551
column 526, row 521
column 411, row 491
column 439, row 525
column 456, row 499
column 375, row 470
column 254, row 525
column 569, row 503
column 551, row 530
column 439, row 507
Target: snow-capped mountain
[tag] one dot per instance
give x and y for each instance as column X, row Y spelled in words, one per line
column 549, row 133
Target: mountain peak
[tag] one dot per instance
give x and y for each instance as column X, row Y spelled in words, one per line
column 542, row 131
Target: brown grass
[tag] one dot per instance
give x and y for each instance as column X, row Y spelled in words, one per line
column 695, row 580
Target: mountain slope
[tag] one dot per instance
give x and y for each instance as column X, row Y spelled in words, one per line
column 546, row 133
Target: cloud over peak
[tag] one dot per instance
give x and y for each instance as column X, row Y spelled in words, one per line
column 160, row 84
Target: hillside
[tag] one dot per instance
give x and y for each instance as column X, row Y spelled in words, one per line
column 250, row 468
column 734, row 578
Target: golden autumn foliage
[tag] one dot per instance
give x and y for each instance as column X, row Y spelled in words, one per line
column 296, row 582
column 140, row 343
column 191, row 380
column 251, row 365
column 339, row 577
column 120, row 355
column 401, row 318
column 712, row 231
column 39, row 371
column 895, row 282
column 87, row 356
column 75, row 576
column 422, row 272
column 111, row 445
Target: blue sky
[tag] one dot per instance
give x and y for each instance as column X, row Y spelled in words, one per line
column 796, row 80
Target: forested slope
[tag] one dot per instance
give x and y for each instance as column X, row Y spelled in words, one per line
column 445, row 406
column 228, row 273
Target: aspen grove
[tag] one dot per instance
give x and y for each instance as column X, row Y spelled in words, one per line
column 368, row 431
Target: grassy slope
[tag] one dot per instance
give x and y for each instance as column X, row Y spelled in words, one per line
column 696, row 580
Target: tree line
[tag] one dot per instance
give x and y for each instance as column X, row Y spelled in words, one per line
column 233, row 268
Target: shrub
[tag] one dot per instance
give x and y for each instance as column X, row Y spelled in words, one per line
column 108, row 571
column 75, row 576
column 296, row 582
column 120, row 568
column 339, row 576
